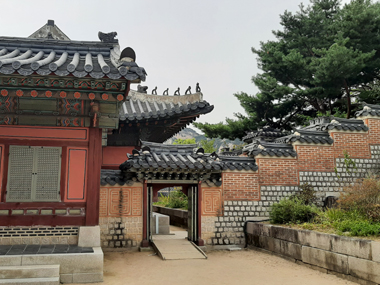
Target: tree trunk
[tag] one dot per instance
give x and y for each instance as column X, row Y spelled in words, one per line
column 348, row 99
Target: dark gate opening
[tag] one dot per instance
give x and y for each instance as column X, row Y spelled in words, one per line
column 172, row 223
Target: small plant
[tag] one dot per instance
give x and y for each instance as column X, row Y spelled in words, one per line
column 307, row 194
column 349, row 167
column 292, row 211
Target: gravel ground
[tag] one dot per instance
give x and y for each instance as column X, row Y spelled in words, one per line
column 221, row 267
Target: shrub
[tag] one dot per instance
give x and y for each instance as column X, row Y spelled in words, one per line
column 307, row 194
column 292, row 211
column 363, row 196
column 176, row 199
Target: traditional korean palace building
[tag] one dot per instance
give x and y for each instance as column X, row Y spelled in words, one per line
column 82, row 155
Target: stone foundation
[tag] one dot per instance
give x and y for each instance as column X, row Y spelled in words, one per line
column 353, row 259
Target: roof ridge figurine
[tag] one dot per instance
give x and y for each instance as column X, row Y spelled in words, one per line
column 108, row 37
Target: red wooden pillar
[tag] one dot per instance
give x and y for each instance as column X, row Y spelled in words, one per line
column 200, row 241
column 145, row 242
column 93, row 176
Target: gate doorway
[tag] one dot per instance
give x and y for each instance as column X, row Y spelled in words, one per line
column 174, row 233
column 164, row 221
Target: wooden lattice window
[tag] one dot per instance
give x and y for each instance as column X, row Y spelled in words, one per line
column 34, row 174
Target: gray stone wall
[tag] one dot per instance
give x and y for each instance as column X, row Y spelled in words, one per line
column 354, row 259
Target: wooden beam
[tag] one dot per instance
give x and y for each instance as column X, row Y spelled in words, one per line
column 93, row 176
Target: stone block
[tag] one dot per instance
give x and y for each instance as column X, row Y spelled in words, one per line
column 351, row 246
column 375, row 247
column 66, row 278
column 31, row 281
column 365, row 269
column 89, row 236
column 314, row 239
column 69, row 263
column 281, row 247
column 10, row 260
column 283, row 233
column 88, row 277
column 29, row 271
column 325, row 259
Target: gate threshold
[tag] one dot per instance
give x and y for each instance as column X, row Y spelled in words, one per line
column 177, row 249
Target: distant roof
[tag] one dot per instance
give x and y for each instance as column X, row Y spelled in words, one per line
column 48, row 51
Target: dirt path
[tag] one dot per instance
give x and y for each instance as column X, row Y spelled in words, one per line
column 221, row 267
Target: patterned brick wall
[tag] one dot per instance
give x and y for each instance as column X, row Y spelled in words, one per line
column 212, row 201
column 38, row 235
column 240, row 186
column 120, row 215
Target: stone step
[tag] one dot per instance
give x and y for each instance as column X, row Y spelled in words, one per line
column 37, row 281
column 28, row 271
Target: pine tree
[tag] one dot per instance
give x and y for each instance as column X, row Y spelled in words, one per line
column 325, row 59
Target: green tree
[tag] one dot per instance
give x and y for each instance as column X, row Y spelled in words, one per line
column 184, row 141
column 326, row 59
column 208, row 145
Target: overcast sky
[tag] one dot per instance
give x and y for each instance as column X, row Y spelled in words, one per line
column 178, row 42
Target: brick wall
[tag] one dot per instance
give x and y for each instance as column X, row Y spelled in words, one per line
column 315, row 158
column 251, row 194
column 275, row 171
column 240, row 186
column 120, row 216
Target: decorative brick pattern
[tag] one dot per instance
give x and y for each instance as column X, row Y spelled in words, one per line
column 240, row 186
column 38, row 235
column 212, row 201
column 120, row 216
column 120, row 201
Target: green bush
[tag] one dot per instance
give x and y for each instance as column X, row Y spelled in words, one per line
column 307, row 194
column 292, row 210
column 176, row 199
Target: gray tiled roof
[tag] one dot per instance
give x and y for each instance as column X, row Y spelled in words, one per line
column 266, row 133
column 269, row 149
column 140, row 106
column 369, row 110
column 333, row 123
column 182, row 158
column 307, row 136
column 111, row 177
column 46, row 56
